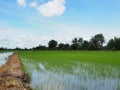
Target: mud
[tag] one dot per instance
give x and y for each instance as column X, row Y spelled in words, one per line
column 12, row 76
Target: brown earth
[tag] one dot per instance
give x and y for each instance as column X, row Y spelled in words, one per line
column 12, row 76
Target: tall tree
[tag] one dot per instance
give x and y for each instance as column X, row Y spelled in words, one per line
column 61, row 46
column 67, row 47
column 85, row 45
column 75, row 44
column 80, row 41
column 114, row 44
column 74, row 41
column 96, row 42
column 52, row 44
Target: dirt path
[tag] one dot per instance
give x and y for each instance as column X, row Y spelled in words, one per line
column 11, row 75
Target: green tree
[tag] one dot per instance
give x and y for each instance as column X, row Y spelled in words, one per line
column 80, row 41
column 75, row 41
column 40, row 47
column 110, row 44
column 114, row 44
column 85, row 45
column 61, row 46
column 67, row 47
column 52, row 44
column 96, row 42
column 75, row 44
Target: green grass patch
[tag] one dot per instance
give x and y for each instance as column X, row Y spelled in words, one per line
column 66, row 59
column 62, row 57
column 95, row 65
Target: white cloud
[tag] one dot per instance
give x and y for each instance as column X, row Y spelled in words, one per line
column 48, row 9
column 21, row 2
column 12, row 38
column 52, row 8
column 33, row 4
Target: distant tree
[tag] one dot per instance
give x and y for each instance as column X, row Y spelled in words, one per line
column 114, row 44
column 67, row 47
column 91, row 46
column 2, row 48
column 96, row 42
column 17, row 48
column 76, row 43
column 80, row 41
column 110, row 44
column 85, row 45
column 105, row 47
column 25, row 48
column 61, row 46
column 74, row 46
column 40, row 47
column 52, row 44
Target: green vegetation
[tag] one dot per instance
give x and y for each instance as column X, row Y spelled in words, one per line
column 70, row 57
column 69, row 68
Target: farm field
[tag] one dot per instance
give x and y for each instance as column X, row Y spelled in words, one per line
column 72, row 70
column 60, row 44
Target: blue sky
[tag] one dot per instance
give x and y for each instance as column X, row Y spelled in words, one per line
column 32, row 22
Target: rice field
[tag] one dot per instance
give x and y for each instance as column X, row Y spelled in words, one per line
column 72, row 70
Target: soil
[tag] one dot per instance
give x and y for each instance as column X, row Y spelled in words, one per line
column 12, row 77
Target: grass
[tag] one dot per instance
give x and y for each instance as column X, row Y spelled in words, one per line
column 61, row 57
column 53, row 69
column 66, row 59
column 98, row 65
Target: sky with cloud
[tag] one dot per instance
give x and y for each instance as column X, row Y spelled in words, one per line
column 28, row 23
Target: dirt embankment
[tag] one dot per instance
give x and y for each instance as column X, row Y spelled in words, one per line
column 11, row 75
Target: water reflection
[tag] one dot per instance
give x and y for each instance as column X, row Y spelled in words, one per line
column 84, row 76
column 3, row 57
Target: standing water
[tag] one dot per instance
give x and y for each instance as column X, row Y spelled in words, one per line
column 3, row 57
column 82, row 76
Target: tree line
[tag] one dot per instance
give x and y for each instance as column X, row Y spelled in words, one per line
column 95, row 43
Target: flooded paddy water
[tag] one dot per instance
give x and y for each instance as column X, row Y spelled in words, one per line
column 3, row 57
column 81, row 76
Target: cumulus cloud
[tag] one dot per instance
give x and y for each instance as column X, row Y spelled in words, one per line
column 52, row 8
column 21, row 2
column 48, row 9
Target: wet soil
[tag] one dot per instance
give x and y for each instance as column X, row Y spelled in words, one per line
column 12, row 77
